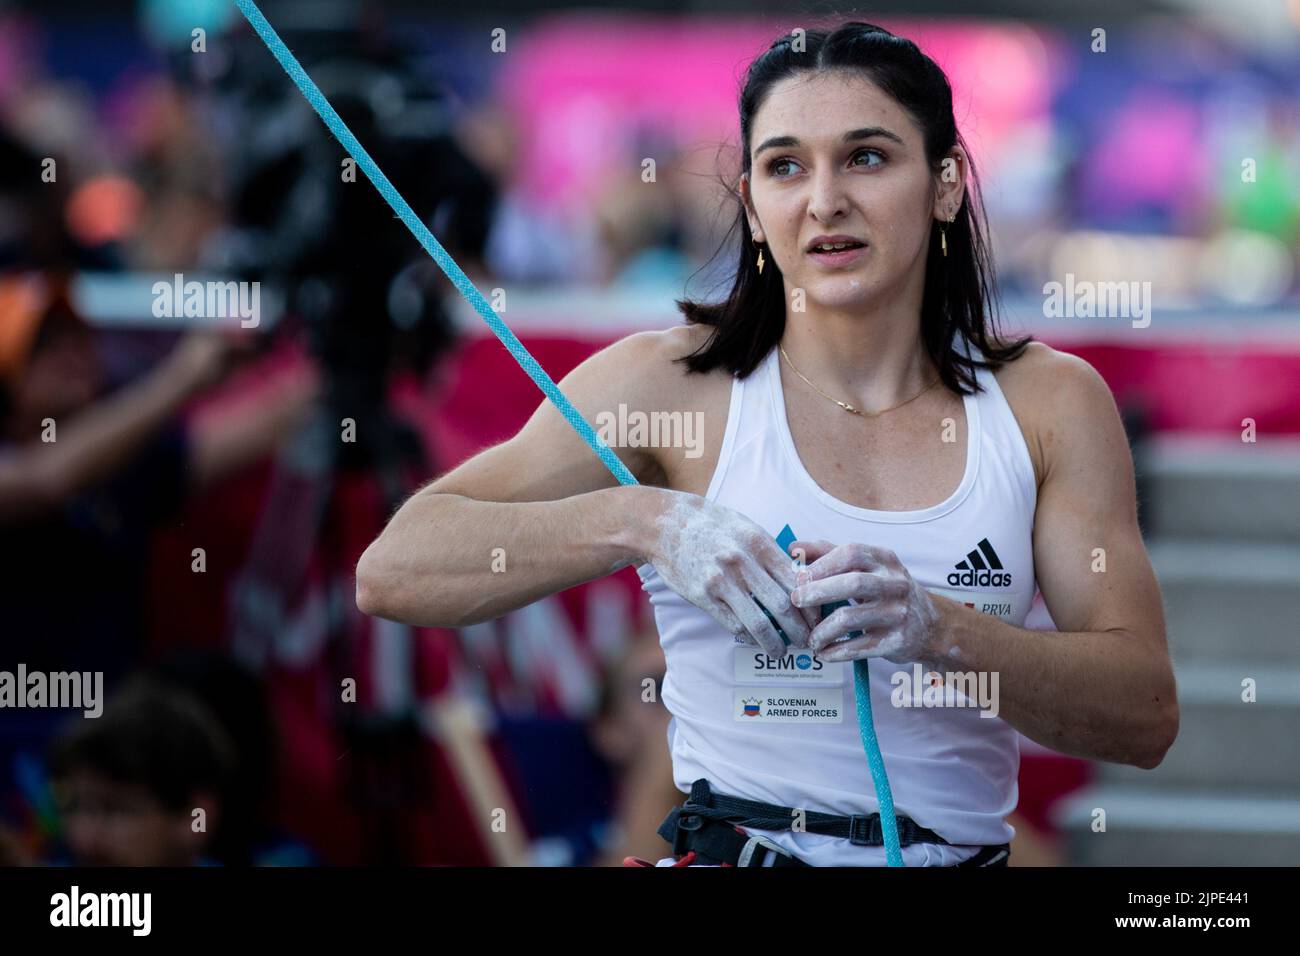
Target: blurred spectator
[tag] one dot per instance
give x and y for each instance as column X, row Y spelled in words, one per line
column 237, row 701
column 143, row 784
column 631, row 732
column 640, row 235
column 86, row 477
column 1268, row 201
column 524, row 244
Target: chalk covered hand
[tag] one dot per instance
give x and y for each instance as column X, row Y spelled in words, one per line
column 722, row 562
column 894, row 617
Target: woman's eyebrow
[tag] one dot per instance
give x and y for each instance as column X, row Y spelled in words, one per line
column 852, row 136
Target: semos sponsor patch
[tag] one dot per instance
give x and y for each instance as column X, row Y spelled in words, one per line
column 753, row 665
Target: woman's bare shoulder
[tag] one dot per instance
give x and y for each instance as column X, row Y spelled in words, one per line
column 643, row 378
column 1044, row 386
column 1041, row 371
column 649, row 366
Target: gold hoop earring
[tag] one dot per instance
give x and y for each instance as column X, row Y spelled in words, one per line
column 760, row 256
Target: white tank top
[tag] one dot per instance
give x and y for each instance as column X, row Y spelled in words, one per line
column 786, row 731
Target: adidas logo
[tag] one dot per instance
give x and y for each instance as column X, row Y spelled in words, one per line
column 981, row 569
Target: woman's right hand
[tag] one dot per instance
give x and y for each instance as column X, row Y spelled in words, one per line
column 721, row 561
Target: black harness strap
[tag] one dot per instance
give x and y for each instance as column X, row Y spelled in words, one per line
column 706, row 825
column 859, row 829
column 716, row 844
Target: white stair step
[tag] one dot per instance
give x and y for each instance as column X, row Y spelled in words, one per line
column 1230, row 600
column 1211, row 487
column 1224, row 743
column 1156, row 827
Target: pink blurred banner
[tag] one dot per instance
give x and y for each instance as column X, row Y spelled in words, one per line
column 587, row 90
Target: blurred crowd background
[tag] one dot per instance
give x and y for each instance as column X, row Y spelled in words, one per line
column 192, row 534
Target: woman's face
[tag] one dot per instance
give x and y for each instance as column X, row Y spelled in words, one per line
column 876, row 187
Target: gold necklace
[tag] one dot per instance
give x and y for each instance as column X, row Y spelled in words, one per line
column 844, row 405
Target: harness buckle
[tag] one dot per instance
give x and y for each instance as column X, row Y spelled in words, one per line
column 747, row 853
column 865, row 830
column 685, row 824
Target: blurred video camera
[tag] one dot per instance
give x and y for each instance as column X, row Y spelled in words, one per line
column 306, row 219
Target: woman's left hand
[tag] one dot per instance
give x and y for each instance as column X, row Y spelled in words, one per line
column 896, row 615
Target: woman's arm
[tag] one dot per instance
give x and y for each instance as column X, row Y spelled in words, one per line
column 540, row 513
column 531, row 516
column 1102, row 686
column 449, row 560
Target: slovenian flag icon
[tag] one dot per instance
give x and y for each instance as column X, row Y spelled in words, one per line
column 751, row 708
